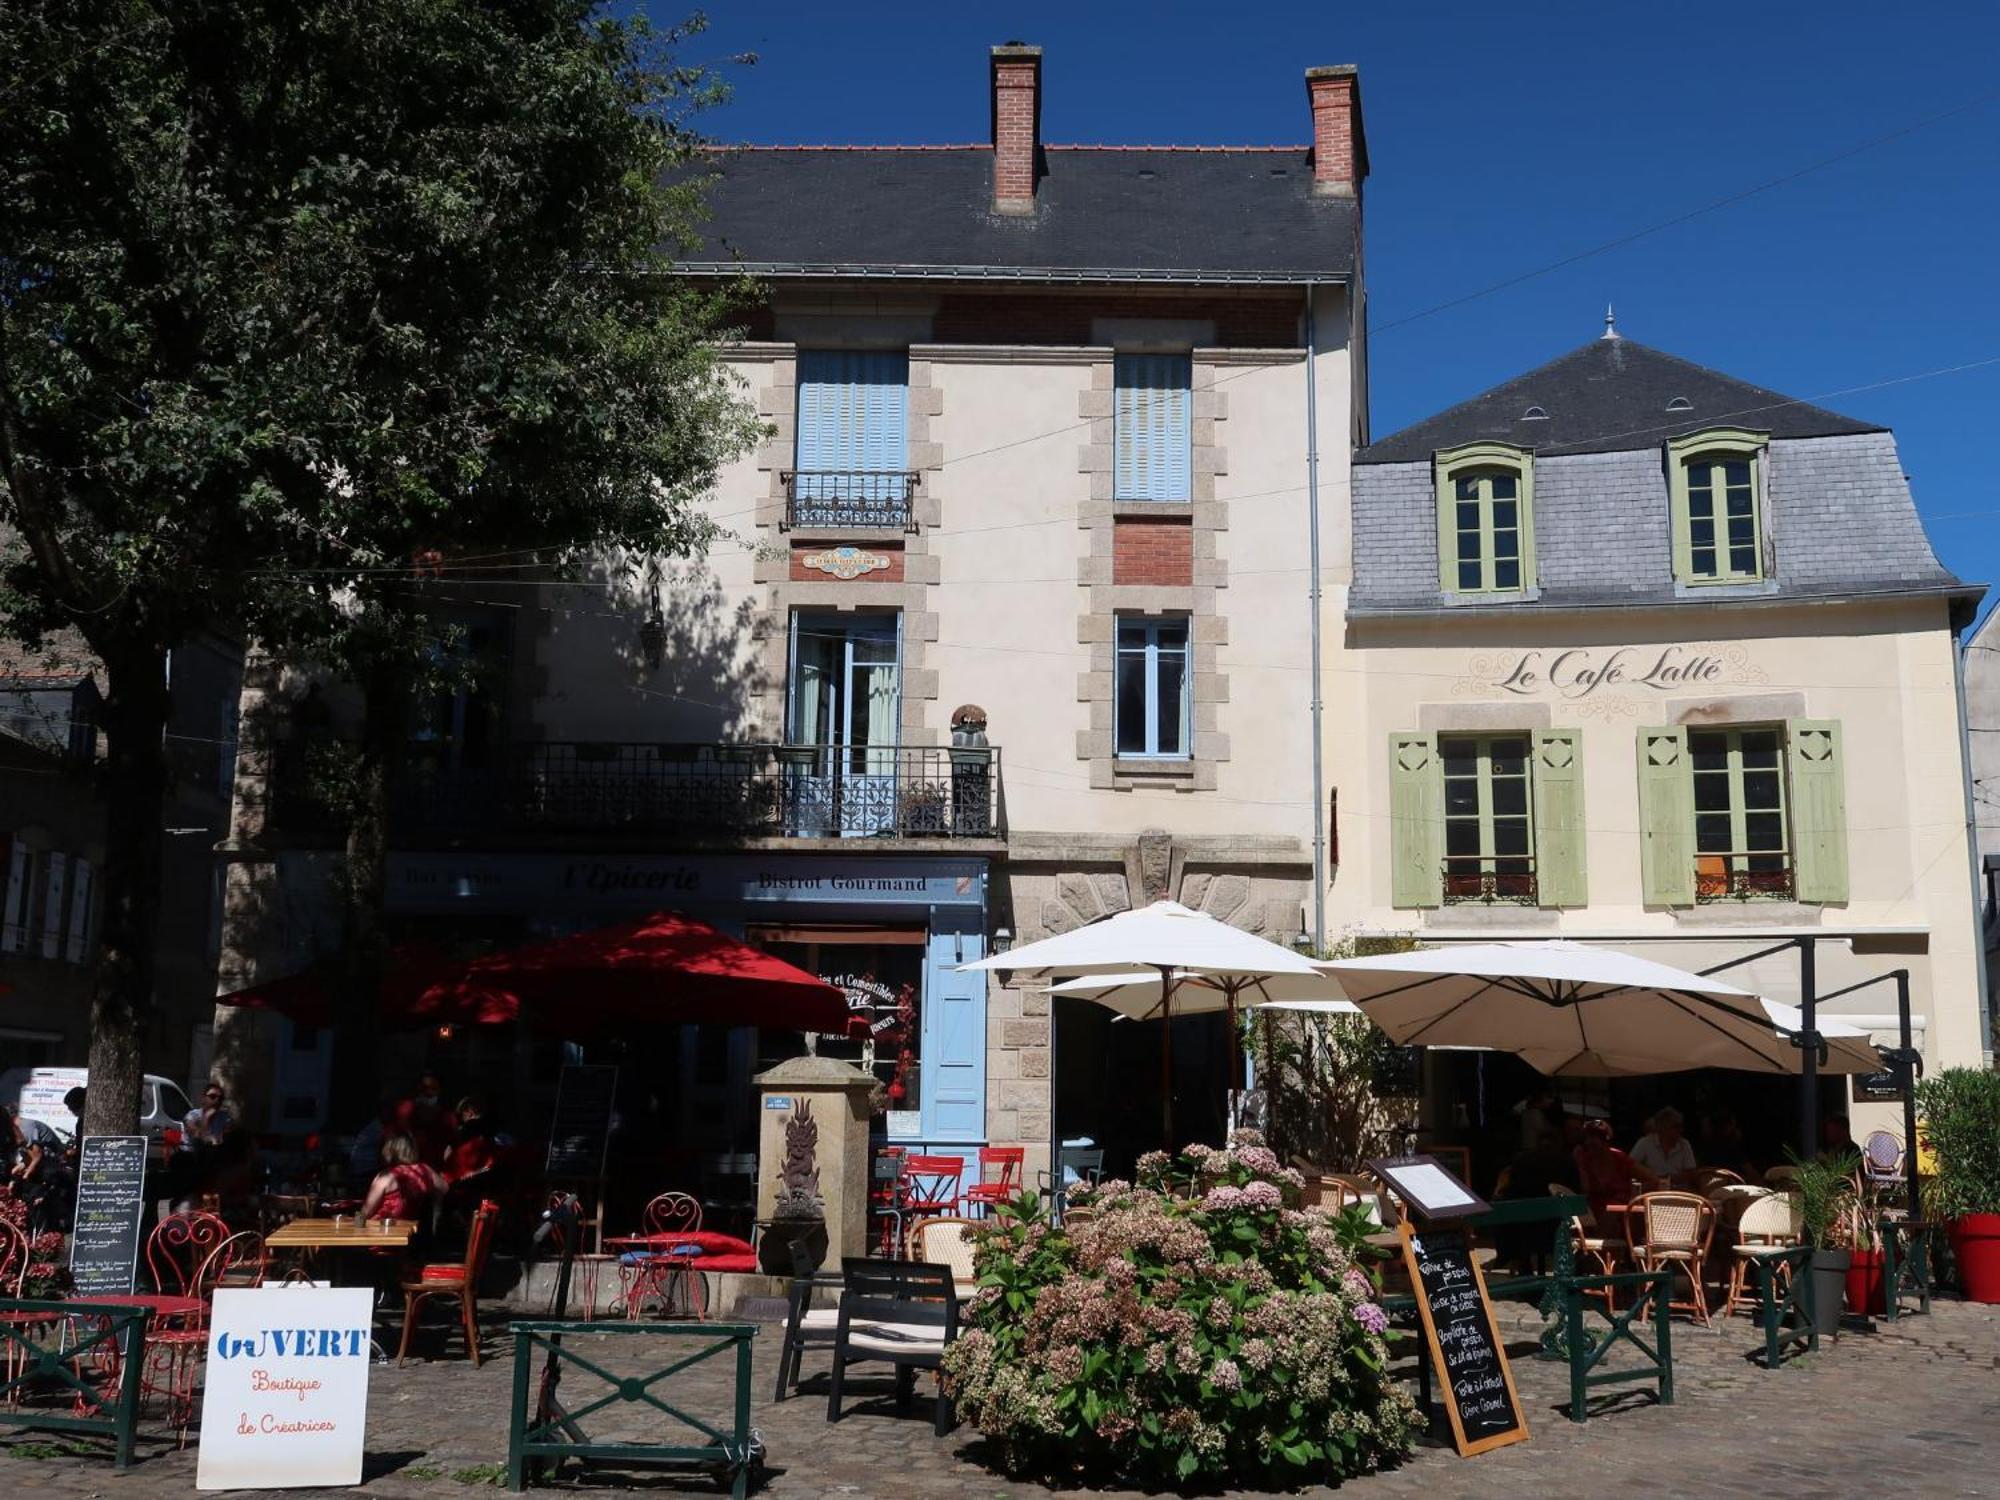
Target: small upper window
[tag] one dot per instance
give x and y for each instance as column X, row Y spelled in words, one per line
column 1486, row 531
column 1151, row 428
column 1718, row 506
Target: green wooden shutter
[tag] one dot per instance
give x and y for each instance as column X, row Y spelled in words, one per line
column 1666, row 817
column 1416, row 830
column 1560, row 877
column 1819, row 809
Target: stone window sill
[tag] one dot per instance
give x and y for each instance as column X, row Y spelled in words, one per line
column 1152, row 510
column 1132, row 765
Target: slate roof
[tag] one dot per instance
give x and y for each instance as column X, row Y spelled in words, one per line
column 1102, row 213
column 1837, row 513
column 1608, row 396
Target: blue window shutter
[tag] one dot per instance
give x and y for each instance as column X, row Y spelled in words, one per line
column 953, row 1055
column 1152, row 427
column 853, row 411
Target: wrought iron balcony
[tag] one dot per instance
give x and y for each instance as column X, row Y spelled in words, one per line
column 716, row 790
column 1744, row 875
column 850, row 499
column 1490, row 880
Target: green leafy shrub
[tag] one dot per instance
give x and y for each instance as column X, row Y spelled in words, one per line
column 1960, row 1108
column 1192, row 1328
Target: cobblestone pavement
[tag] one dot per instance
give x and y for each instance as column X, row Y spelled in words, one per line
column 1910, row 1408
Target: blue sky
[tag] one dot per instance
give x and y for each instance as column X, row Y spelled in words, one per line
column 1503, row 138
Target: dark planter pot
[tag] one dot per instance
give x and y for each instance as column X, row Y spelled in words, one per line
column 791, row 1247
column 1829, row 1274
column 1867, row 1296
column 1975, row 1245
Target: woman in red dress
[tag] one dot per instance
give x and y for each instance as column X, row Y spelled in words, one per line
column 405, row 1188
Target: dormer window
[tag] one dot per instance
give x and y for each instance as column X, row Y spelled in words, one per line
column 1718, row 506
column 1485, row 507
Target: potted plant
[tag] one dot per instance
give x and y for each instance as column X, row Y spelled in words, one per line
column 793, row 1241
column 1825, row 1190
column 1961, row 1115
column 1867, row 1295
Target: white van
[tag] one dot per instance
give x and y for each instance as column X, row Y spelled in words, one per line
column 38, row 1094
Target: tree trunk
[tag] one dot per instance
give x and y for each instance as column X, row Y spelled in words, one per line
column 356, row 1084
column 135, row 788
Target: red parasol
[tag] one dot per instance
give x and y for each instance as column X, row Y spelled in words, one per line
column 661, row 969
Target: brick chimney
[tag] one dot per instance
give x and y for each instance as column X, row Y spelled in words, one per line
column 1017, row 126
column 1340, row 155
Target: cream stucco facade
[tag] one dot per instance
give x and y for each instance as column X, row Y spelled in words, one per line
column 1883, row 672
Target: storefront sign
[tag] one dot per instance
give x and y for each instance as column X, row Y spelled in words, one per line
column 285, row 1398
column 530, row 883
column 1584, row 673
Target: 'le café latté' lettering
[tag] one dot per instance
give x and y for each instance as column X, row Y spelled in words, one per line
column 1580, row 673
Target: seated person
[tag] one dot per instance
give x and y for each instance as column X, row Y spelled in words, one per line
column 1664, row 1149
column 1607, row 1175
column 405, row 1188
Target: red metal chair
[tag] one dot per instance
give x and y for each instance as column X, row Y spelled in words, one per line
column 180, row 1336
column 179, row 1247
column 987, row 1191
column 657, row 1268
column 930, row 1187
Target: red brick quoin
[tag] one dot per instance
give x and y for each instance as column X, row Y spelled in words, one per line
column 1152, row 552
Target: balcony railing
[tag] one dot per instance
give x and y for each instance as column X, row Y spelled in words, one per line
column 714, row 790
column 850, row 499
column 1489, row 880
column 1744, row 875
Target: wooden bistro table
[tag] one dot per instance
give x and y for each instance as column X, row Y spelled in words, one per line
column 306, row 1237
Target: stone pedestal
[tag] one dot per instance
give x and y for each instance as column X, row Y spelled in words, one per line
column 837, row 1093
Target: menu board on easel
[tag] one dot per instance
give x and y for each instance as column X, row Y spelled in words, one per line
column 1472, row 1367
column 110, row 1201
column 580, row 1133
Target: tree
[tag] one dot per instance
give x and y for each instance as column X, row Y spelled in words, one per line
column 300, row 294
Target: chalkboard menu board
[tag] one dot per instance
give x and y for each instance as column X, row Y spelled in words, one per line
column 1458, row 1323
column 581, row 1129
column 110, row 1198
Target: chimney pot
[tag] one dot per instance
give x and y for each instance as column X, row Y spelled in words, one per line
column 1017, row 126
column 1340, row 153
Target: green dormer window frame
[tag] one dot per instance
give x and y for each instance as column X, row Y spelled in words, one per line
column 1485, row 518
column 1716, row 479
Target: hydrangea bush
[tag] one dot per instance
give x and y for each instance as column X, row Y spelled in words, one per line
column 45, row 1275
column 1195, row 1327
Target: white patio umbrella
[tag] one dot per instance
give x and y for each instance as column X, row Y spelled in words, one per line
column 1849, row 1049
column 1567, row 1009
column 1137, row 996
column 1185, row 950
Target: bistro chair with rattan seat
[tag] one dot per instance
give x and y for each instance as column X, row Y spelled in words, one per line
column 454, row 1280
column 1772, row 1222
column 1675, row 1230
column 948, row 1242
column 902, row 1313
column 1587, row 1237
column 1882, row 1160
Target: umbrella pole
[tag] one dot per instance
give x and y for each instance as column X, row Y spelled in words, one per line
column 1166, row 1059
column 1234, row 1043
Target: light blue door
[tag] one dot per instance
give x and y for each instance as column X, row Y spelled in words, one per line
column 953, row 1092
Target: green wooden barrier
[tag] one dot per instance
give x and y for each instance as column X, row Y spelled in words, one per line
column 80, row 1329
column 1787, row 1319
column 544, row 1430
column 1587, row 1350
